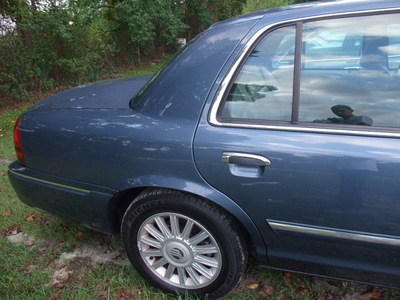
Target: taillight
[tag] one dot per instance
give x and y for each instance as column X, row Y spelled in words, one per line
column 18, row 144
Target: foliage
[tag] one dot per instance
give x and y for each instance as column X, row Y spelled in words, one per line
column 199, row 14
column 49, row 44
column 45, row 43
column 255, row 5
column 148, row 25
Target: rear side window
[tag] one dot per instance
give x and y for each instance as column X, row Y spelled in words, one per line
column 344, row 64
column 263, row 88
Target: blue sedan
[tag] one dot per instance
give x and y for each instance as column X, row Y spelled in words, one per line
column 274, row 134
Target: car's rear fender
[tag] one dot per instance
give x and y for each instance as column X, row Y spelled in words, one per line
column 81, row 202
column 124, row 198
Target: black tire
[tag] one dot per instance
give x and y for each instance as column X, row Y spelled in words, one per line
column 206, row 261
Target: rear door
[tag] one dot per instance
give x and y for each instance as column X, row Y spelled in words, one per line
column 323, row 188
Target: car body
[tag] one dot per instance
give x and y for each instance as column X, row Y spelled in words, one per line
column 234, row 148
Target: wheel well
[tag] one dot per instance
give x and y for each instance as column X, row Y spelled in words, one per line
column 120, row 204
column 123, row 199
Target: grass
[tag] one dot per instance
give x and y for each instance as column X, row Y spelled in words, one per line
column 147, row 68
column 35, row 269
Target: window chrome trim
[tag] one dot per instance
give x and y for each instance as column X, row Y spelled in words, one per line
column 219, row 96
column 300, row 128
column 284, row 227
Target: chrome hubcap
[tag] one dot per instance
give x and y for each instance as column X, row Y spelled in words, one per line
column 179, row 250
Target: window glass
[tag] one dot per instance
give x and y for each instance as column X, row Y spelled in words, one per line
column 349, row 71
column 262, row 90
column 394, row 46
column 332, row 48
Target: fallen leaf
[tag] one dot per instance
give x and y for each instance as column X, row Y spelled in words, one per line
column 44, row 221
column 59, row 285
column 31, row 217
column 287, row 277
column 372, row 294
column 10, row 230
column 29, row 266
column 3, row 173
column 302, row 290
column 7, row 213
column 121, row 294
column 50, row 261
column 56, row 295
column 252, row 286
column 268, row 290
column 78, row 234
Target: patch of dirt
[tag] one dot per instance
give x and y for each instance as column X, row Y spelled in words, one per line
column 96, row 255
column 4, row 161
column 72, row 265
column 21, row 238
column 85, row 258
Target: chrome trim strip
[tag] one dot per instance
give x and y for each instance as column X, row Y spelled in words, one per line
column 212, row 117
column 50, row 183
column 298, row 128
column 226, row 155
column 329, row 233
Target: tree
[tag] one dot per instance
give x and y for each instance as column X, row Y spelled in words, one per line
column 21, row 13
column 256, row 5
column 148, row 25
column 199, row 14
column 56, row 42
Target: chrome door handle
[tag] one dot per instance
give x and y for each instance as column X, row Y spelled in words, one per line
column 245, row 159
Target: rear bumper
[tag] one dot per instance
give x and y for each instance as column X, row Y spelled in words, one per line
column 82, row 203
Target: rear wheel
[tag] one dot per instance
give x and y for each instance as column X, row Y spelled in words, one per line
column 183, row 244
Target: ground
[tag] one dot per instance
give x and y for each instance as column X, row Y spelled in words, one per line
column 71, row 267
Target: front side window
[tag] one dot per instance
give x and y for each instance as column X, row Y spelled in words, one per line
column 348, row 74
